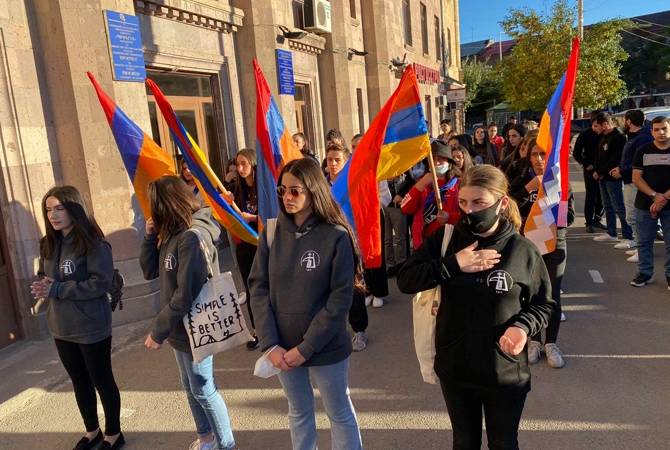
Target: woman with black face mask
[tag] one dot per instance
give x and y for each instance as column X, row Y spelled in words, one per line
column 495, row 293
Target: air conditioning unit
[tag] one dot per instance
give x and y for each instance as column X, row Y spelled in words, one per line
column 317, row 16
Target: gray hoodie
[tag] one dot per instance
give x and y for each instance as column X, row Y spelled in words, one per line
column 78, row 308
column 302, row 288
column 182, row 269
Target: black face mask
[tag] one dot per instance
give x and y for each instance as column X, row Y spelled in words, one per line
column 481, row 221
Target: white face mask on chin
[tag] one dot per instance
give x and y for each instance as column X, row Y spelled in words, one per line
column 442, row 169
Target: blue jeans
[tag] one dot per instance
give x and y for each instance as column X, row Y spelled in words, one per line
column 332, row 382
column 646, row 234
column 612, row 195
column 207, row 406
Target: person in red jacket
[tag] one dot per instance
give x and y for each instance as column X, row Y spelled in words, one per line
column 420, row 200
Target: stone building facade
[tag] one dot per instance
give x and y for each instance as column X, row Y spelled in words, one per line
column 200, row 52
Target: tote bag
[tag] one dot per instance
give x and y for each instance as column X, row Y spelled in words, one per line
column 424, row 310
column 215, row 322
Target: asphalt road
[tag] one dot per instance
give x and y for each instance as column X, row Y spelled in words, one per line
column 614, row 392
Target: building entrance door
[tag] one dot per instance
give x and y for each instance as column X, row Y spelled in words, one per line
column 192, row 101
column 304, row 117
column 9, row 327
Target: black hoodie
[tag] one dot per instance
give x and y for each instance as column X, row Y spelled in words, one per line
column 610, row 150
column 180, row 264
column 477, row 308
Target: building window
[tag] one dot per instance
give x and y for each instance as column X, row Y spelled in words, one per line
column 448, row 47
column 438, row 39
column 361, row 116
column 299, row 13
column 352, row 8
column 407, row 22
column 429, row 114
column 424, row 28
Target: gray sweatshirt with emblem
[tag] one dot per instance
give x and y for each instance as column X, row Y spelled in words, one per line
column 77, row 307
column 302, row 288
column 180, row 265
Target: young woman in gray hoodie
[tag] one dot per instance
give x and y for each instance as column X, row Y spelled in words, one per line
column 301, row 291
column 75, row 271
column 171, row 252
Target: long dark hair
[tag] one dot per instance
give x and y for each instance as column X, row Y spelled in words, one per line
column 172, row 206
column 242, row 191
column 324, row 205
column 86, row 230
column 508, row 149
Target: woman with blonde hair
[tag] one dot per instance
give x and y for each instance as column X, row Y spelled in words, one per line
column 495, row 293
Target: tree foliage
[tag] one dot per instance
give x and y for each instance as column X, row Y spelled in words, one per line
column 539, row 59
column 483, row 84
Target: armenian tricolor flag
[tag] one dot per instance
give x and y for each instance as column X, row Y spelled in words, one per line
column 551, row 207
column 208, row 183
column 274, row 147
column 145, row 161
column 396, row 139
column 406, row 141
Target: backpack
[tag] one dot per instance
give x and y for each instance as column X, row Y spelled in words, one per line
column 115, row 292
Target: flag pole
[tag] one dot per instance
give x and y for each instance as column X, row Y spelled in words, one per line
column 436, row 185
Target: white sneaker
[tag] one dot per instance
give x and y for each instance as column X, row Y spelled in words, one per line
column 631, row 252
column 197, row 445
column 634, row 259
column 359, row 342
column 368, row 300
column 563, row 318
column 377, row 302
column 625, row 244
column 534, row 352
column 606, row 238
column 554, row 356
column 241, row 298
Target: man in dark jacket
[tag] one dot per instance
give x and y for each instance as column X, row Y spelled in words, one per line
column 610, row 149
column 396, row 232
column 584, row 152
column 638, row 135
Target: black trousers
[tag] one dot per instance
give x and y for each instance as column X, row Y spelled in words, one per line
column 90, row 369
column 555, row 262
column 376, row 280
column 358, row 313
column 502, row 413
column 245, row 254
column 593, row 204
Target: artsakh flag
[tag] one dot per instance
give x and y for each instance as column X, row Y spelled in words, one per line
column 274, row 147
column 396, row 139
column 145, row 161
column 406, row 141
column 209, row 185
column 550, row 210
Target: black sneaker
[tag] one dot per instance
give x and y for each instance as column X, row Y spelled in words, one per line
column 120, row 442
column 590, row 229
column 600, row 225
column 252, row 345
column 667, row 279
column 640, row 280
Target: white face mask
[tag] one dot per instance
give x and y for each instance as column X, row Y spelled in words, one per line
column 442, row 169
column 264, row 367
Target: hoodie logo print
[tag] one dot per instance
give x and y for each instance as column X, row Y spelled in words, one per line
column 500, row 280
column 68, row 267
column 170, row 262
column 310, row 260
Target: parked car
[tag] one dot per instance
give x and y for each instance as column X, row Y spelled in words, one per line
column 649, row 114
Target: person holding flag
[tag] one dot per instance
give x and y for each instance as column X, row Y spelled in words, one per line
column 524, row 189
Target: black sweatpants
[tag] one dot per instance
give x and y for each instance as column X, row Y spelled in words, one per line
column 245, row 254
column 555, row 262
column 358, row 313
column 502, row 414
column 90, row 369
column 593, row 204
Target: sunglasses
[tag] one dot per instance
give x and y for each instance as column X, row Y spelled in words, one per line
column 294, row 191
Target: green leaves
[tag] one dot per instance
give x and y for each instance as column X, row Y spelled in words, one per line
column 537, row 62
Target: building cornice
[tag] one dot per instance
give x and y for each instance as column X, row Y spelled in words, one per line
column 311, row 44
column 203, row 14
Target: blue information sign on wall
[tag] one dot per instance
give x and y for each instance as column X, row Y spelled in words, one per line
column 285, row 72
column 125, row 46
